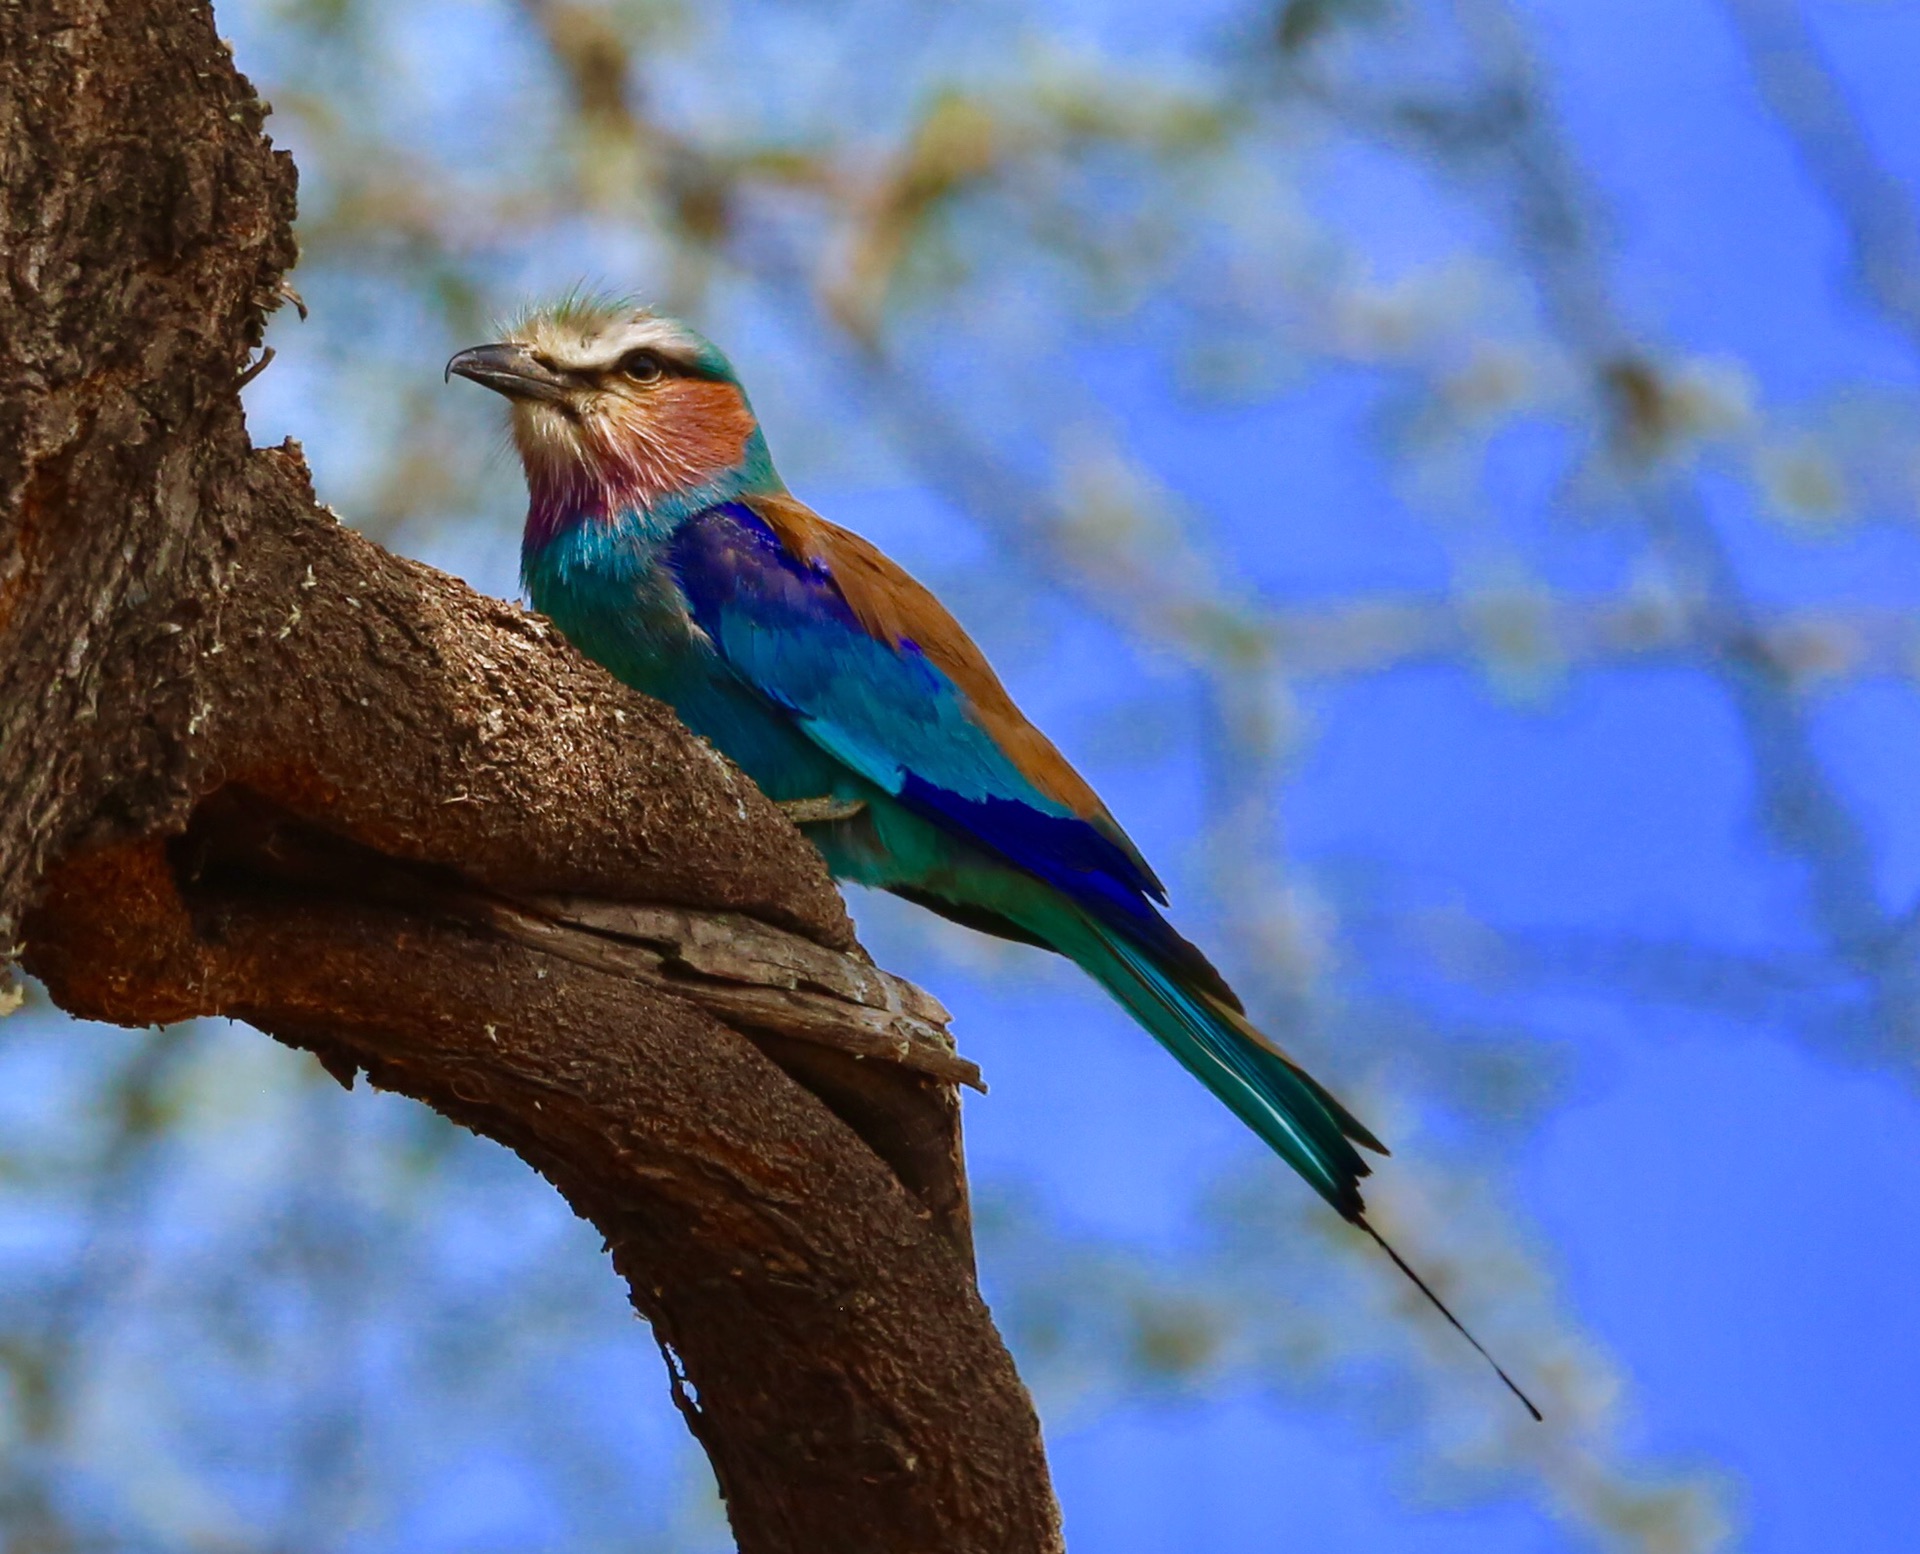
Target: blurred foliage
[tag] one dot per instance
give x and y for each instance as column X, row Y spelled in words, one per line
column 243, row 1311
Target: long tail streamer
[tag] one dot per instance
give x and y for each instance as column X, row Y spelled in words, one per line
column 1303, row 1123
column 1440, row 1306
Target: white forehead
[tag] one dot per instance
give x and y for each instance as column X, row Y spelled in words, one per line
column 598, row 342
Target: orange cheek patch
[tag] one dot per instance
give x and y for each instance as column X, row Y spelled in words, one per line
column 700, row 426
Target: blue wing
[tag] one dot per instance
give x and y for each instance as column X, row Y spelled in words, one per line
column 885, row 710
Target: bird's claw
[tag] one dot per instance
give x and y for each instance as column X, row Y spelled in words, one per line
column 814, row 811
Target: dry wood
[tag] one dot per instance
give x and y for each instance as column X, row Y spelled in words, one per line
column 252, row 764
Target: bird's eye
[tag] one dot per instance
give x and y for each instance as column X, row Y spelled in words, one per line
column 641, row 366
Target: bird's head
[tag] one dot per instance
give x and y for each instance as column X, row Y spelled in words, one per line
column 616, row 407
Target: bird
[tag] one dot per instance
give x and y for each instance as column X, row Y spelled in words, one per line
column 664, row 545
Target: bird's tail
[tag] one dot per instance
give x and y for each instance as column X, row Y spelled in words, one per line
column 1220, row 1047
column 1296, row 1115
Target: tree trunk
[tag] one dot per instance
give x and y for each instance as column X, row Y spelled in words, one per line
column 251, row 764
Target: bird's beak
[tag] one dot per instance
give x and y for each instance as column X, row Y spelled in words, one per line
column 512, row 370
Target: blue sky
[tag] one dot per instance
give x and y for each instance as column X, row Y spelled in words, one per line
column 1729, row 1202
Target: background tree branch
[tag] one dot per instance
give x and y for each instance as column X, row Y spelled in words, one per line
column 251, row 764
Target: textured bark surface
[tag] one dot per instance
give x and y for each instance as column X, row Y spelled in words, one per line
column 252, row 764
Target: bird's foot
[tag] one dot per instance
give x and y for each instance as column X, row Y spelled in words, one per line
column 804, row 812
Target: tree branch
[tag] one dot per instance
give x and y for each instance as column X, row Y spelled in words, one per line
column 251, row 764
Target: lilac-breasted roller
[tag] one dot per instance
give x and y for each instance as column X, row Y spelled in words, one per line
column 661, row 541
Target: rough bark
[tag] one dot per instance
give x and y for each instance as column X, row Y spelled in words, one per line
column 252, row 764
